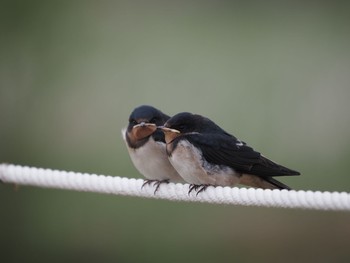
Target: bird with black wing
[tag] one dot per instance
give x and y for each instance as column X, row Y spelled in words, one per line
column 204, row 154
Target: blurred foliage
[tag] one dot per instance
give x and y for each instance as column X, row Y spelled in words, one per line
column 274, row 73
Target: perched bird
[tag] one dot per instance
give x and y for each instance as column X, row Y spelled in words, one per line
column 204, row 154
column 147, row 148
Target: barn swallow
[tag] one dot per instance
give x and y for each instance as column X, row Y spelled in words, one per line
column 147, row 148
column 204, row 154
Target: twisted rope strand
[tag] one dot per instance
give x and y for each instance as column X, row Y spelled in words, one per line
column 48, row 178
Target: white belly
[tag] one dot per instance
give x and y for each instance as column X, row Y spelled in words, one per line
column 152, row 162
column 189, row 163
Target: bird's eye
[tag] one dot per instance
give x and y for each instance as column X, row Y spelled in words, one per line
column 132, row 121
column 182, row 127
column 153, row 120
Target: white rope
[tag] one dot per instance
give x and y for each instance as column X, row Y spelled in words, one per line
column 23, row 175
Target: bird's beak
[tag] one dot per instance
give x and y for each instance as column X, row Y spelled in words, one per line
column 166, row 129
column 145, row 124
column 170, row 134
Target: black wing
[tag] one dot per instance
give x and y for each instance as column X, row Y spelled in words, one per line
column 224, row 149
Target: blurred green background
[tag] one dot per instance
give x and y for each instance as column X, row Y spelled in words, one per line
column 275, row 74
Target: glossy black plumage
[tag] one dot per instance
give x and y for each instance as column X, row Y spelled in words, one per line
column 223, row 150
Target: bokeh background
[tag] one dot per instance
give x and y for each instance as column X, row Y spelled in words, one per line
column 274, row 73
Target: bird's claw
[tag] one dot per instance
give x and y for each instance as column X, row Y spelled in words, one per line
column 156, row 183
column 197, row 188
column 146, row 182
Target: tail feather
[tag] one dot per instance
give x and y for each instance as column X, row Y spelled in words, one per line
column 267, row 168
column 277, row 184
column 266, row 182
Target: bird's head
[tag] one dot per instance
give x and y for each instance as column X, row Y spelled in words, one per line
column 143, row 122
column 186, row 123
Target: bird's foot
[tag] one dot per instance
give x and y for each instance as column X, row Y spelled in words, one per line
column 156, row 183
column 146, row 182
column 197, row 188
